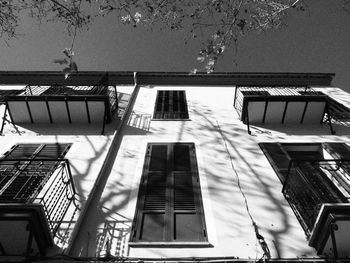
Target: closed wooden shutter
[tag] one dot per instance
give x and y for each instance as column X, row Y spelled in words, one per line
column 37, row 151
column 171, row 104
column 20, row 151
column 277, row 157
column 169, row 204
column 312, row 181
column 342, row 176
column 337, row 150
column 22, row 178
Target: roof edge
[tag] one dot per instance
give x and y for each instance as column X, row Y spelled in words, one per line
column 166, row 78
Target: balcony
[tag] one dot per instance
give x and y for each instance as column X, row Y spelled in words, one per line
column 285, row 105
column 60, row 104
column 318, row 191
column 34, row 198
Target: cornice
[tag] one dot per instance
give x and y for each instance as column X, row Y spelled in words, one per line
column 166, row 78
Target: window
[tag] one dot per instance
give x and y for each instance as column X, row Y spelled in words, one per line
column 169, row 205
column 312, row 174
column 281, row 154
column 170, row 105
column 25, row 168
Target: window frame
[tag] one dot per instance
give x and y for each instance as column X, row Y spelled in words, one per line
column 169, row 226
column 170, row 111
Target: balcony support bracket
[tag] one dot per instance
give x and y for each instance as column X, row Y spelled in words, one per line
column 29, row 241
column 4, row 119
column 329, row 120
column 247, row 121
column 334, row 227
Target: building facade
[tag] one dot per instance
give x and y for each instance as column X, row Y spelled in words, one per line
column 174, row 167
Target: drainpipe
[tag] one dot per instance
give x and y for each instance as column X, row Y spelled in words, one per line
column 106, row 168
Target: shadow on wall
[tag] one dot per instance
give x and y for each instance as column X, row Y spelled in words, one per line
column 138, row 123
column 300, row 129
column 112, row 235
column 106, row 231
column 66, row 227
column 103, row 230
column 252, row 183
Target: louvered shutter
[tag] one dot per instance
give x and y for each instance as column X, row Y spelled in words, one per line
column 340, row 151
column 33, row 151
column 337, row 150
column 52, row 151
column 277, row 157
column 20, row 180
column 169, row 203
column 153, row 195
column 171, row 104
column 20, row 151
column 187, row 214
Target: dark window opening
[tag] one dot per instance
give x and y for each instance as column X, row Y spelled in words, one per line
column 171, row 104
column 169, row 207
column 312, row 174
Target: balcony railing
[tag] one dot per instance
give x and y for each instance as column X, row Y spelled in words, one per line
column 311, row 183
column 47, row 182
column 60, row 104
column 56, row 90
column 268, row 91
column 293, row 105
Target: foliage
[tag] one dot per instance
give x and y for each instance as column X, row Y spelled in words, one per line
column 219, row 24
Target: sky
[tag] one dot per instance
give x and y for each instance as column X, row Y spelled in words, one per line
column 314, row 41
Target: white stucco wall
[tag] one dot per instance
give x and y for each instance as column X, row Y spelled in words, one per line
column 233, row 172
column 86, row 157
column 219, row 138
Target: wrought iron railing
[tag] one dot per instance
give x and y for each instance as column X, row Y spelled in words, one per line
column 337, row 111
column 9, row 92
column 108, row 91
column 57, row 90
column 279, row 90
column 264, row 91
column 311, row 183
column 42, row 181
column 36, row 90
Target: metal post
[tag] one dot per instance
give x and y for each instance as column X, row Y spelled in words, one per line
column 287, row 176
column 87, row 110
column 104, row 120
column 334, row 227
column 329, row 120
column 30, row 241
column 247, row 120
column 3, row 120
column 29, row 111
column 67, row 108
column 48, row 109
column 11, row 119
column 234, row 99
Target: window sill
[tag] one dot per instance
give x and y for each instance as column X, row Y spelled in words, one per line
column 170, row 244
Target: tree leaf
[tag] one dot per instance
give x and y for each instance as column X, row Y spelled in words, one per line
column 60, row 61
